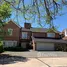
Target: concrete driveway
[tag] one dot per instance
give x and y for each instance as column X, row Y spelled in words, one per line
column 12, row 59
column 39, row 62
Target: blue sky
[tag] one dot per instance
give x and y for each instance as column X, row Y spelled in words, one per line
column 60, row 21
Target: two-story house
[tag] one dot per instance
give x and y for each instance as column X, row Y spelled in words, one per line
column 29, row 37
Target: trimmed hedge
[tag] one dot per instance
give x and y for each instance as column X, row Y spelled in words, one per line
column 1, row 46
column 15, row 49
column 61, row 47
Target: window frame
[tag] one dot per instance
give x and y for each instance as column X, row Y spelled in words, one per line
column 10, row 31
column 51, row 35
column 23, row 35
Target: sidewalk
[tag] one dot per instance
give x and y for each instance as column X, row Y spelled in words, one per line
column 38, row 54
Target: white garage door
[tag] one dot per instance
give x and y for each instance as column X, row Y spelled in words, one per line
column 44, row 46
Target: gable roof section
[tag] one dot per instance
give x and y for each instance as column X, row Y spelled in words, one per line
column 14, row 23
column 40, row 30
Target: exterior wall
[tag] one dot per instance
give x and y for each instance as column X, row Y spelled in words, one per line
column 23, row 45
column 16, row 32
column 29, row 35
column 43, row 34
column 39, row 34
column 57, row 35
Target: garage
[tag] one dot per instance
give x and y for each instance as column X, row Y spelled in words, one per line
column 44, row 46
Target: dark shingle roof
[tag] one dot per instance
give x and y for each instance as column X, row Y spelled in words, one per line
column 40, row 30
column 50, row 40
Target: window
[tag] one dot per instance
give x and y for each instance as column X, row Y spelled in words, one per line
column 24, row 35
column 66, row 32
column 10, row 31
column 50, row 34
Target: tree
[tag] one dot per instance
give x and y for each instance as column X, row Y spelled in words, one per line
column 5, row 13
column 41, row 11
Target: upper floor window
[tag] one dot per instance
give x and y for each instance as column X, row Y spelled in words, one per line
column 66, row 32
column 10, row 32
column 50, row 34
column 24, row 35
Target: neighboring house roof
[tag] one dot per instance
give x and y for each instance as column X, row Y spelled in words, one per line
column 40, row 30
column 64, row 30
column 14, row 23
column 50, row 40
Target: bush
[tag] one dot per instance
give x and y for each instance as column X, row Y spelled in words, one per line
column 14, row 49
column 1, row 46
column 61, row 47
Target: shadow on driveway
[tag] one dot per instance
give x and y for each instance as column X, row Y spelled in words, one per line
column 8, row 59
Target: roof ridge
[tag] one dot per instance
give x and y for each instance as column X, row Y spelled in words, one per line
column 14, row 23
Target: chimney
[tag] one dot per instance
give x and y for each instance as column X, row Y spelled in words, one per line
column 65, row 34
column 27, row 25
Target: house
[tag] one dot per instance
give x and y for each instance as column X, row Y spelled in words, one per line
column 16, row 35
column 12, row 34
column 32, row 38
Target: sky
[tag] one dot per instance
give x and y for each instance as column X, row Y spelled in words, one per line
column 60, row 21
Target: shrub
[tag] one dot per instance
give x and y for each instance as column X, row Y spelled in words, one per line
column 1, row 46
column 61, row 47
column 14, row 49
